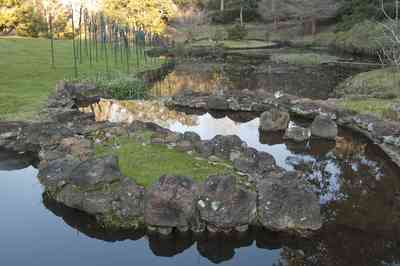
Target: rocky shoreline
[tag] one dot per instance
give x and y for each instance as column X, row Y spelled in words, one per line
column 262, row 193
column 383, row 133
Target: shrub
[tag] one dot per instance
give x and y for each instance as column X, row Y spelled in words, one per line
column 237, row 32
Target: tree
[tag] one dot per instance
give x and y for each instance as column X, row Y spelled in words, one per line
column 151, row 15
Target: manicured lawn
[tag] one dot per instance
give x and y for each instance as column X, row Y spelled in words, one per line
column 145, row 163
column 27, row 79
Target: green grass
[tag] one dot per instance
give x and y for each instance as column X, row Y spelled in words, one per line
column 380, row 83
column 379, row 107
column 27, row 78
column 146, row 163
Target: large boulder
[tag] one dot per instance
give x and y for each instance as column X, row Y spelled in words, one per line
column 254, row 163
column 171, row 202
column 274, row 120
column 297, row 133
column 224, row 205
column 224, row 145
column 216, row 102
column 288, row 204
column 97, row 171
column 324, row 127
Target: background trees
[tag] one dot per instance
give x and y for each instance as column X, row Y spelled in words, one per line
column 151, row 15
column 31, row 17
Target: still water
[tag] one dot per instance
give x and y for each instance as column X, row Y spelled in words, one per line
column 359, row 193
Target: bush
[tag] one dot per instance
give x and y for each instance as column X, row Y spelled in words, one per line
column 237, row 32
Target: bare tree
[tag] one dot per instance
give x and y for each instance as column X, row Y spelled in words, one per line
column 390, row 51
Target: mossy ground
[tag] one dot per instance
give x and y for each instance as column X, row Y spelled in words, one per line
column 373, row 92
column 380, row 83
column 27, row 78
column 378, row 107
column 146, row 162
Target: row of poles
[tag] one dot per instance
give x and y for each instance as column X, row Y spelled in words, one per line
column 97, row 37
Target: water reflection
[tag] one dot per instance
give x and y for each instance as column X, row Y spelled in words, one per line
column 309, row 81
column 358, row 186
column 362, row 228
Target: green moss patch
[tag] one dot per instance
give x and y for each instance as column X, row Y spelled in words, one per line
column 147, row 162
column 378, row 107
column 380, row 83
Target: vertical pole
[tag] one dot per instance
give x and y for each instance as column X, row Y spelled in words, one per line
column 73, row 43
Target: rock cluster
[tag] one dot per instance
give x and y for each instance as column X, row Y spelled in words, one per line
column 75, row 177
column 327, row 115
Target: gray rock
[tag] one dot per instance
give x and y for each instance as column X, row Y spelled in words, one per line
column 56, row 173
column 224, row 145
column 217, row 103
column 324, row 127
column 225, row 205
column 274, row 120
column 184, row 145
column 90, row 173
column 191, row 136
column 297, row 134
column 288, row 204
column 251, row 161
column 205, row 148
column 171, row 203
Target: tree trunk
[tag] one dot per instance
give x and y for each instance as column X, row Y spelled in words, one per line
column 222, row 5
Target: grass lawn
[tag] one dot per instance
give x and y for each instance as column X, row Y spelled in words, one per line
column 145, row 163
column 27, row 79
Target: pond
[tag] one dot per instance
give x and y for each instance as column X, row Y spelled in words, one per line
column 359, row 187
column 359, row 190
column 301, row 73
column 37, row 231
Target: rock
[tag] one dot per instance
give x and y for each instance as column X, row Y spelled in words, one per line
column 90, row 173
column 205, row 148
column 224, row 145
column 274, row 120
column 171, row 203
column 253, row 162
column 184, row 145
column 324, row 127
column 78, row 147
column 225, row 205
column 56, row 173
column 217, row 103
column 191, row 136
column 297, row 133
column 288, row 204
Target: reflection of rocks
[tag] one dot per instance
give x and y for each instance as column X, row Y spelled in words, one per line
column 13, row 161
column 297, row 133
column 129, row 111
column 169, row 246
column 271, row 138
column 221, row 247
column 288, row 204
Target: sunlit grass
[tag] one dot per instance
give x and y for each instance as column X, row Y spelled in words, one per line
column 27, row 79
column 145, row 163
